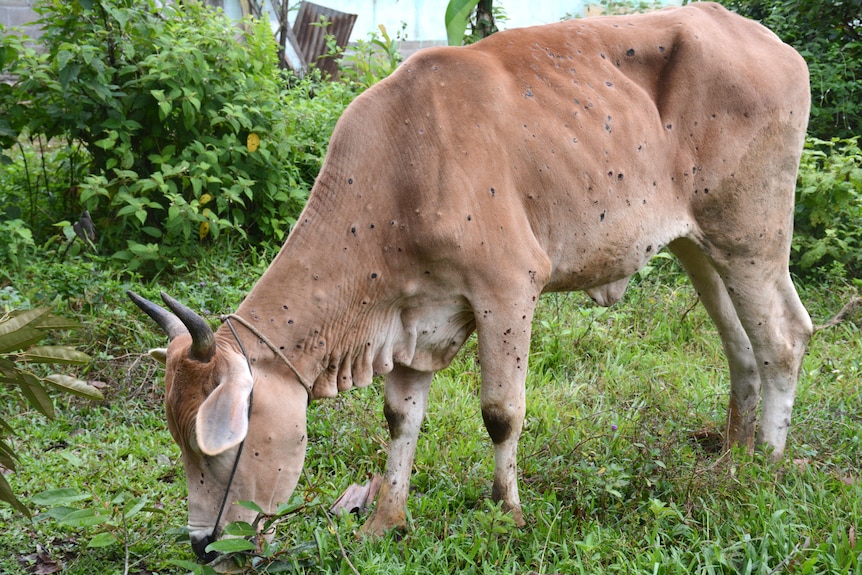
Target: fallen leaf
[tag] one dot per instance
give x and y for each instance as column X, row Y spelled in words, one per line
column 357, row 498
column 45, row 565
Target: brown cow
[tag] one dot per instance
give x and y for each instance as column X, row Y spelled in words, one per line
column 457, row 191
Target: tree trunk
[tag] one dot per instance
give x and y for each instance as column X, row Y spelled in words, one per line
column 484, row 25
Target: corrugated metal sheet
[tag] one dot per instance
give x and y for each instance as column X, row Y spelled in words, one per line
column 311, row 36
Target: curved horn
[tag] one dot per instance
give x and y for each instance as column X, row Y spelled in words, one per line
column 203, row 341
column 166, row 320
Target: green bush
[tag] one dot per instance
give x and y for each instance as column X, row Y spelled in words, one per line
column 371, row 60
column 17, row 241
column 182, row 116
column 37, row 181
column 828, row 222
column 19, row 334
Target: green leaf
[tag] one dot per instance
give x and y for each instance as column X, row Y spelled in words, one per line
column 240, row 529
column 29, row 316
column 7, row 456
column 251, row 505
column 69, row 74
column 72, row 458
column 51, row 321
column 55, row 354
column 457, row 16
column 14, row 333
column 74, row 386
column 55, row 513
column 35, row 394
column 63, row 496
column 63, row 58
column 84, row 518
column 813, row 255
column 134, row 507
column 9, row 497
column 20, row 339
column 295, row 503
column 103, row 540
column 8, row 367
column 106, row 143
column 231, row 545
column 189, row 116
column 8, row 54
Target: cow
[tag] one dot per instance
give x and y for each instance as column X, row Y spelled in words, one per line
column 464, row 186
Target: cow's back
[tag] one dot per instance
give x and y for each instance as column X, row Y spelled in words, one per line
column 589, row 143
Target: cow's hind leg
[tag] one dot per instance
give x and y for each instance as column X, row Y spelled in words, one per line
column 405, row 402
column 778, row 328
column 744, row 374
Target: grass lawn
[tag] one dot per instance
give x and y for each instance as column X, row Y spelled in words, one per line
column 621, row 467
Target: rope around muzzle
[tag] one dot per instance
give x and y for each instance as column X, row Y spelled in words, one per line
column 308, row 388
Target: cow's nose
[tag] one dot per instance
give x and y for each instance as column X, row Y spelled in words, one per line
column 199, row 546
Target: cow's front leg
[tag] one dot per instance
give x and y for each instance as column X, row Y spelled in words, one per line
column 503, row 350
column 405, row 401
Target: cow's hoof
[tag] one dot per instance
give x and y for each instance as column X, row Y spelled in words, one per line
column 379, row 524
column 517, row 515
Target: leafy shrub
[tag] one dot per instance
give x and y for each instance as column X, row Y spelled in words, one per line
column 184, row 118
column 371, row 60
column 19, row 334
column 828, row 222
column 37, row 180
column 17, row 242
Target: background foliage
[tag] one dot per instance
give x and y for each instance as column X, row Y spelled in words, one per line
column 172, row 127
column 828, row 223
column 19, row 334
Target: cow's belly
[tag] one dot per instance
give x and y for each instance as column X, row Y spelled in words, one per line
column 602, row 258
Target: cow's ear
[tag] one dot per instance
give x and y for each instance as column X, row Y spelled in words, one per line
column 160, row 354
column 222, row 419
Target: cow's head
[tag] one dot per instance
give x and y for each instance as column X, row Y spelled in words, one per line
column 208, row 386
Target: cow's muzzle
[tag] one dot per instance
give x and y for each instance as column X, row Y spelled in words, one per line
column 199, row 545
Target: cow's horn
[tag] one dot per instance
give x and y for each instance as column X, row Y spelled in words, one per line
column 166, row 320
column 203, row 341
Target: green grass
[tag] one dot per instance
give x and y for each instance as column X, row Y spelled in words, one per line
column 619, row 467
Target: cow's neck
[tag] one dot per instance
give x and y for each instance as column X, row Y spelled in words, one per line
column 328, row 306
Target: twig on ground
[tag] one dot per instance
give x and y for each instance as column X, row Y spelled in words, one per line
column 689, row 310
column 801, row 546
column 848, row 309
column 334, row 529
